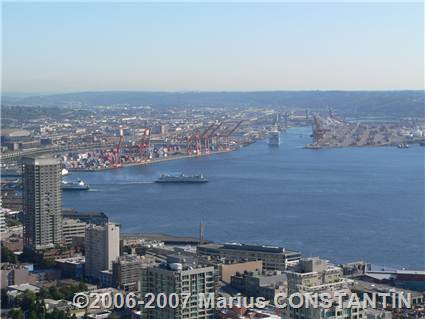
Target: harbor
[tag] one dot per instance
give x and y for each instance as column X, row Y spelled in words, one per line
column 285, row 195
column 212, row 161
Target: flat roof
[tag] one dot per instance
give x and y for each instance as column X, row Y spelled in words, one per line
column 40, row 160
column 23, row 287
column 262, row 248
column 72, row 212
column 376, row 287
column 72, row 260
column 247, row 247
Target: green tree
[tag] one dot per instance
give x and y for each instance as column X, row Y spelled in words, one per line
column 32, row 307
column 48, row 262
column 7, row 256
column 43, row 293
column 113, row 316
column 16, row 314
column 27, row 256
column 55, row 293
column 33, row 315
column 28, row 300
column 82, row 286
column 57, row 314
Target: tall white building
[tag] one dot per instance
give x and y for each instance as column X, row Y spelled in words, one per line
column 42, row 202
column 102, row 247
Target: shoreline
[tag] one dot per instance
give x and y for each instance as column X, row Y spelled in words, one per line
column 172, row 239
column 170, row 158
column 129, row 219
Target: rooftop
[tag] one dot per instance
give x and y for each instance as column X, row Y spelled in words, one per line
column 40, row 160
column 375, row 287
column 247, row 247
column 262, row 248
column 23, row 287
column 128, row 259
column 15, row 133
column 72, row 260
column 68, row 212
column 183, row 262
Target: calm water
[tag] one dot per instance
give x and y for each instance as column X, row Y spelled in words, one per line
column 343, row 204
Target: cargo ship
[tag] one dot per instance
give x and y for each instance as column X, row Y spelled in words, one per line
column 182, row 179
column 274, row 138
column 79, row 185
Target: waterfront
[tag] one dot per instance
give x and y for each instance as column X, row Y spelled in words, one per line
column 343, row 204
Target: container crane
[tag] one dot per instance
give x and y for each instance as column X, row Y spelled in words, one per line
column 145, row 144
column 205, row 137
column 117, row 156
column 193, row 144
column 211, row 135
column 228, row 133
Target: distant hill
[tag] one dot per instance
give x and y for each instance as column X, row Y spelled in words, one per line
column 392, row 103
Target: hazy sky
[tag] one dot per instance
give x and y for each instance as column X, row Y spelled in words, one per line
column 61, row 47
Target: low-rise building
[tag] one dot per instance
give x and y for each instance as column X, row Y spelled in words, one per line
column 378, row 314
column 127, row 271
column 14, row 291
column 244, row 313
column 257, row 284
column 72, row 228
column 15, row 275
column 231, row 268
column 13, row 243
column 363, row 287
column 274, row 258
column 314, row 276
column 101, row 306
column 97, row 218
column 105, row 278
column 72, row 267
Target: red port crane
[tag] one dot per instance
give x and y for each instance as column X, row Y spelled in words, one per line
column 227, row 134
column 193, row 144
column 212, row 134
column 145, row 144
column 205, row 137
column 116, row 159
